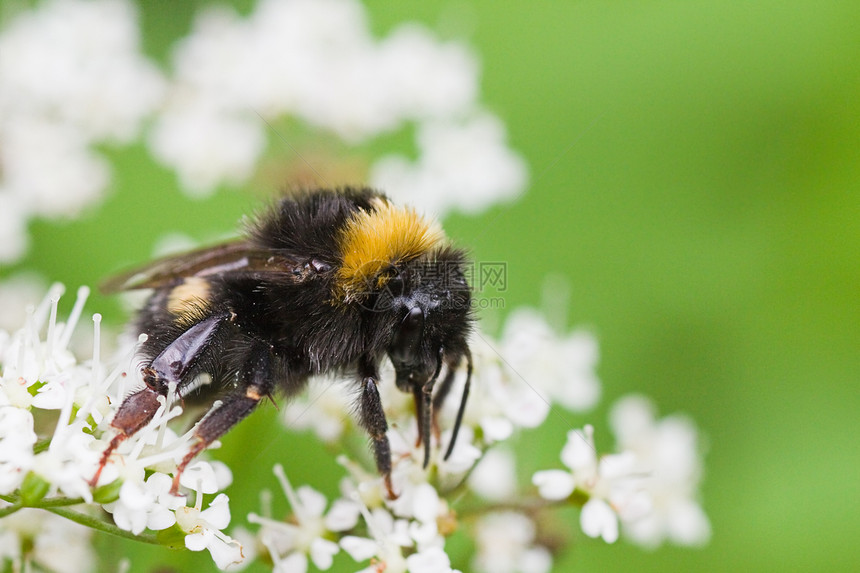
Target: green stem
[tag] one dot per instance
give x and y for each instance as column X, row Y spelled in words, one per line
column 99, row 525
column 9, row 510
column 59, row 502
column 529, row 505
column 41, row 446
column 42, row 503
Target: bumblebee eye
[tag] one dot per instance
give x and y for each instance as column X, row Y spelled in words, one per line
column 395, row 282
column 406, row 340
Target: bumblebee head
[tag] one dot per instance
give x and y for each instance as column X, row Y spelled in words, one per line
column 429, row 302
column 398, row 268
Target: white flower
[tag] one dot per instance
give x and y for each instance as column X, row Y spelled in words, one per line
column 562, row 366
column 388, row 537
column 430, row 560
column 79, row 62
column 324, row 409
column 316, row 60
column 69, row 461
column 290, row 545
column 206, row 477
column 411, row 56
column 494, row 478
column 72, row 76
column 667, row 456
column 146, row 505
column 203, row 531
column 17, row 439
column 78, row 175
column 598, row 520
column 207, row 146
column 416, row 498
column 554, row 484
column 17, row 292
column 506, row 544
column 51, row 542
column 612, row 480
column 464, row 165
column 500, row 400
column 36, row 359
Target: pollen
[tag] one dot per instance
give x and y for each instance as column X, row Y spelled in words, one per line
column 373, row 241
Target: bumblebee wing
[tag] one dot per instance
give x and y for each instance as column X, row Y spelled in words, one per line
column 233, row 258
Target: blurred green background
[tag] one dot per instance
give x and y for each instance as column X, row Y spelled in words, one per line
column 695, row 181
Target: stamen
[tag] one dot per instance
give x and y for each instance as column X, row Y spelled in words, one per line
column 64, row 419
column 198, row 503
column 72, row 322
column 52, row 327
column 171, row 392
column 100, row 391
column 97, row 335
column 41, row 312
column 290, row 493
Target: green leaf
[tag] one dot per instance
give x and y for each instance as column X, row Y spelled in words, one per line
column 33, row 489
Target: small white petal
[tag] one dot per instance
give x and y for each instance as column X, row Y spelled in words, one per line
column 579, row 453
column 598, row 520
column 425, row 503
column 424, row 534
column 218, row 512
column 223, row 475
column 688, row 524
column 198, row 541
column 535, row 560
column 322, row 552
column 225, row 552
column 200, row 475
column 432, row 560
column 359, row 548
column 616, row 466
column 160, row 518
column 496, row 428
column 293, row 563
column 494, row 478
column 343, row 515
column 313, row 502
column 554, row 484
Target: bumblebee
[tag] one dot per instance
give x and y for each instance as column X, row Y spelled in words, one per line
column 326, row 281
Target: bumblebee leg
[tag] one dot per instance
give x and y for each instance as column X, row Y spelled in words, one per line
column 170, row 366
column 255, row 383
column 372, row 419
column 134, row 413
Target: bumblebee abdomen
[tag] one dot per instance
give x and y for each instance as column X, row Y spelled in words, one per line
column 188, row 298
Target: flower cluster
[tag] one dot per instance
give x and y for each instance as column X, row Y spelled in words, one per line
column 316, row 60
column 649, row 486
column 45, row 387
column 74, row 77
column 647, row 490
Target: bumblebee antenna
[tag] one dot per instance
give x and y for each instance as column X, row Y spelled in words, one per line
column 462, row 408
